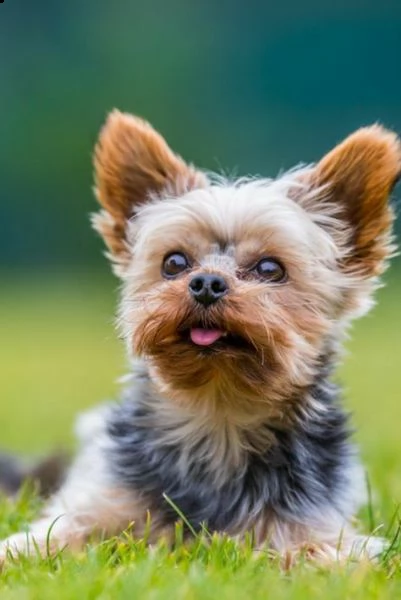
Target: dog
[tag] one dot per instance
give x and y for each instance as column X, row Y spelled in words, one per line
column 236, row 298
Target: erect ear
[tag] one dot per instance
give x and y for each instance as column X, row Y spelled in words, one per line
column 357, row 178
column 133, row 163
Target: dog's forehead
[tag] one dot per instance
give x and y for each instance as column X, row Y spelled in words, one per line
column 232, row 211
column 252, row 215
column 227, row 214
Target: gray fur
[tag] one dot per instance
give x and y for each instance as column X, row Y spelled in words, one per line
column 304, row 474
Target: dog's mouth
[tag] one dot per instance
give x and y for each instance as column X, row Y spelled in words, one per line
column 213, row 338
column 205, row 337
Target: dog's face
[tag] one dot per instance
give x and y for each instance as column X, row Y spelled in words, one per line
column 241, row 286
column 232, row 285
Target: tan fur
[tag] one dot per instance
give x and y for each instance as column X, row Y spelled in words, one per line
column 358, row 176
column 132, row 161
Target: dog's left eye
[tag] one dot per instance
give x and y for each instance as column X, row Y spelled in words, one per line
column 174, row 264
column 270, row 269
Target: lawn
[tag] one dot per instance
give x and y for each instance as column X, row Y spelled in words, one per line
column 59, row 355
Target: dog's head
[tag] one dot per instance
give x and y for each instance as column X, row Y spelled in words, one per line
column 242, row 285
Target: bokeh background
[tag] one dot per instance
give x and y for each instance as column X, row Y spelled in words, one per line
column 250, row 87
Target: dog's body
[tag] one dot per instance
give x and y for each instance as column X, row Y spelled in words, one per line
column 236, row 299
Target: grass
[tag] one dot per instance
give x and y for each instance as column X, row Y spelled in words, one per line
column 59, row 355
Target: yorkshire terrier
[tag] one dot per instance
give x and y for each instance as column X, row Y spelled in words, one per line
column 236, row 298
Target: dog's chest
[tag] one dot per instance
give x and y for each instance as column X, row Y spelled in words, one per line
column 300, row 470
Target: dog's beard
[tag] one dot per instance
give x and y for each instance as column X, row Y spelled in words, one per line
column 235, row 346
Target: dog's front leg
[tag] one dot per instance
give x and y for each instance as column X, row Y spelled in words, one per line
column 45, row 537
column 88, row 504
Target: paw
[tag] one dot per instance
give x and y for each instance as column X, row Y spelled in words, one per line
column 324, row 554
column 349, row 549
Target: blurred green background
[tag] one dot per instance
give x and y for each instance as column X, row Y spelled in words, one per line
column 251, row 87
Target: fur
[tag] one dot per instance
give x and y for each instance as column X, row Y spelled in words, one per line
column 246, row 434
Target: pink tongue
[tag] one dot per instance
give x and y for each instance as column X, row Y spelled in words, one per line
column 205, row 337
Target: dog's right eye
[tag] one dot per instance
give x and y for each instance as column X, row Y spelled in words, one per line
column 174, row 264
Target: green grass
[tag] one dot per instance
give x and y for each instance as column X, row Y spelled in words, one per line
column 59, row 355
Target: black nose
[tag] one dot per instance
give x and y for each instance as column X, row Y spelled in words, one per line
column 207, row 288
